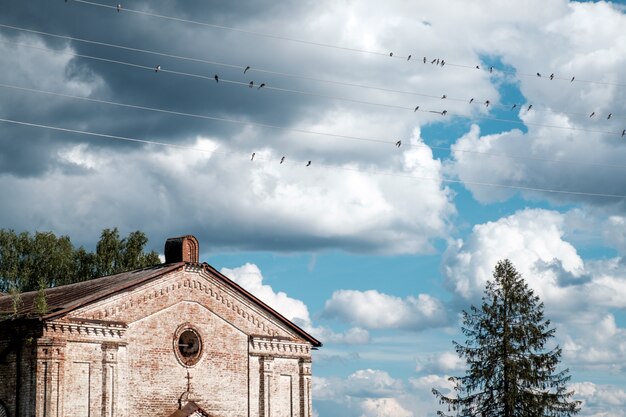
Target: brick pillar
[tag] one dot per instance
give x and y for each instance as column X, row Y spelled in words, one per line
column 49, row 388
column 265, row 386
column 109, row 379
column 306, row 402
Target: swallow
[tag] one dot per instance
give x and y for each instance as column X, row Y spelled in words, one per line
column 593, row 113
column 572, row 80
column 443, row 62
column 119, row 7
column 444, row 97
column 398, row 144
column 433, row 61
column 477, row 67
column 247, row 68
column 308, row 164
column 471, row 100
column 487, row 103
column 437, row 61
column 424, row 60
column 157, row 68
column 490, row 69
column 529, row 107
column 443, row 113
column 609, row 116
column 253, row 154
column 551, row 76
column 514, row 106
column 251, row 84
column 282, row 159
column 416, row 109
column 217, row 79
column 538, row 75
column 623, row 132
column 390, row 53
column 408, row 58
column 261, row 86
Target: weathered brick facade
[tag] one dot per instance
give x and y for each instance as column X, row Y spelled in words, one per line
column 151, row 342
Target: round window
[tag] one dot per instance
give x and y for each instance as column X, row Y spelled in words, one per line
column 188, row 346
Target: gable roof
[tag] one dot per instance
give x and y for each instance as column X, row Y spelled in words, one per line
column 67, row 298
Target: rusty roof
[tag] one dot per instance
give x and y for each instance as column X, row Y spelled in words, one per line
column 66, row 298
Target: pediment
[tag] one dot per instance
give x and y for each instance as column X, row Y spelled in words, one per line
column 193, row 283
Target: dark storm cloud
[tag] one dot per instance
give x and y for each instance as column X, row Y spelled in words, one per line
column 144, row 87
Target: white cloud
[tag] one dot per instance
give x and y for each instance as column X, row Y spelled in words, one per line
column 384, row 407
column 376, row 310
column 249, row 276
column 600, row 400
column 444, row 362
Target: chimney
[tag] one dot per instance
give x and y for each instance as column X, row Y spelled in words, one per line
column 182, row 249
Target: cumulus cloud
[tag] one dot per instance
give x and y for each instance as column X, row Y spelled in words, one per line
column 441, row 363
column 375, row 310
column 577, row 294
column 597, row 398
column 249, row 276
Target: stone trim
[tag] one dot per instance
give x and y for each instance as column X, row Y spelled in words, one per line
column 261, row 346
column 115, row 331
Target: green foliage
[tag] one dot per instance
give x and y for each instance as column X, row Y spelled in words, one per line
column 16, row 297
column 510, row 371
column 40, row 302
column 27, row 260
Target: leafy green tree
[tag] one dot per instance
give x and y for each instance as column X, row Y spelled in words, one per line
column 510, row 371
column 28, row 260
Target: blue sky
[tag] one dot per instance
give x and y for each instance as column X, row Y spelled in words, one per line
column 373, row 248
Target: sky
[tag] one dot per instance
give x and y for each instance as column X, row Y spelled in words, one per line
column 384, row 220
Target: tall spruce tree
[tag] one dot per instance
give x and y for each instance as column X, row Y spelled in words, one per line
column 510, row 371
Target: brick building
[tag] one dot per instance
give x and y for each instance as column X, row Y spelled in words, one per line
column 178, row 339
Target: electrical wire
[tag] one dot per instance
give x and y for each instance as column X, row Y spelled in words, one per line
column 478, row 102
column 293, row 91
column 305, row 131
column 376, row 172
column 327, row 45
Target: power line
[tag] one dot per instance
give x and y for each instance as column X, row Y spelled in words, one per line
column 327, row 45
column 293, row 91
column 283, row 74
column 305, row 131
column 443, row 180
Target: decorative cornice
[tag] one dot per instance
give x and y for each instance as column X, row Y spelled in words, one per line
column 272, row 347
column 85, row 329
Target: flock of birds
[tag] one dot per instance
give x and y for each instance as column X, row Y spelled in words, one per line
column 435, row 61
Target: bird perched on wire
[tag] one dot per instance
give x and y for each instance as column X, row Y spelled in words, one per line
column 477, row 67
column 487, row 103
column 157, row 68
column 408, row 58
column 514, row 106
column 443, row 113
column 261, row 86
column 551, row 76
column 538, row 75
column 529, row 107
column 609, row 116
column 433, row 61
column 490, row 69
column 416, row 109
column 593, row 113
column 424, row 60
column 623, row 132
column 282, row 159
column 398, row 144
column 217, row 79
column 471, row 100
column 247, row 68
column 572, row 80
column 444, row 97
column 119, row 7
column 390, row 53
column 443, row 62
column 308, row 164
column 253, row 154
column 251, row 84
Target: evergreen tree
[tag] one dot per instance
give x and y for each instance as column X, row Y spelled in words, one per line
column 510, row 371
